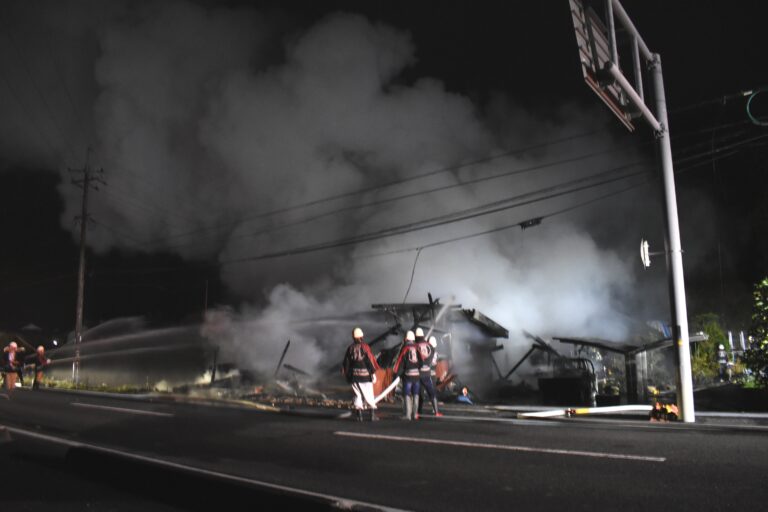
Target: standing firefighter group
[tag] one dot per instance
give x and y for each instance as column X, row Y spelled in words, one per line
column 12, row 365
column 415, row 366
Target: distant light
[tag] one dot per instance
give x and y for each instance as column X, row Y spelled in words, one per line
column 55, row 343
column 645, row 255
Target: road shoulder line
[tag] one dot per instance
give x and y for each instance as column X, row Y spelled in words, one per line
column 553, row 451
column 334, row 501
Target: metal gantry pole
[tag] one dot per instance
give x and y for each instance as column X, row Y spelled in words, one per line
column 677, row 285
column 595, row 64
column 612, row 32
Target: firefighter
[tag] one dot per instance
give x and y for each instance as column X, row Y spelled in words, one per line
column 40, row 362
column 12, row 366
column 463, row 397
column 428, row 353
column 359, row 368
column 419, row 339
column 411, row 360
column 722, row 361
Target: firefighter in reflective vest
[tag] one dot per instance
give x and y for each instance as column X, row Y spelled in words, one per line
column 12, row 365
column 40, row 362
column 428, row 352
column 722, row 361
column 359, row 368
column 411, row 362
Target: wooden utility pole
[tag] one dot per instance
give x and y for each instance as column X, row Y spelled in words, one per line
column 89, row 179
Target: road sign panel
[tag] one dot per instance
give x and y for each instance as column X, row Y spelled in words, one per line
column 595, row 54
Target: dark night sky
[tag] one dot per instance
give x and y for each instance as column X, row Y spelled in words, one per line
column 522, row 51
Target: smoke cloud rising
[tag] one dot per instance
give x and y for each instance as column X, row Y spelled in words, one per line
column 207, row 118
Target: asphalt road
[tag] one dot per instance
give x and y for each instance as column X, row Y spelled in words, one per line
column 158, row 455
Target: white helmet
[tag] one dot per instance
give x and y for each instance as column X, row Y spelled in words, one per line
column 721, row 347
column 433, row 341
column 419, row 332
column 357, row 333
column 409, row 336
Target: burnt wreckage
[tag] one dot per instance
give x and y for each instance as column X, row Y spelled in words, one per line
column 203, row 359
column 443, row 321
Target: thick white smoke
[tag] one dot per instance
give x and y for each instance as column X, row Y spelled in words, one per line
column 201, row 129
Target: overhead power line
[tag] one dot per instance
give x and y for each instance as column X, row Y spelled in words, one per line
column 420, row 193
column 30, row 117
column 390, row 231
column 372, row 188
column 487, row 209
column 316, row 217
column 722, row 99
column 506, row 227
column 216, row 229
column 717, row 153
column 23, row 59
column 755, row 120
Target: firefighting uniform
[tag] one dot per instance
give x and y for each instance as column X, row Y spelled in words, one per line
column 40, row 361
column 411, row 360
column 429, row 361
column 359, row 367
column 11, row 364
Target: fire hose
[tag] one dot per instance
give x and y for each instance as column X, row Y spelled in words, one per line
column 387, row 391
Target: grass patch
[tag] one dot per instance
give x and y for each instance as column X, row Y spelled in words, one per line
column 102, row 387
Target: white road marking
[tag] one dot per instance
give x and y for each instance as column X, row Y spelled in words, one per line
column 336, row 501
column 121, row 409
column 600, row 455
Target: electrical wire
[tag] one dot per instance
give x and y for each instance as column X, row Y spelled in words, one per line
column 476, row 211
column 9, row 35
column 60, row 75
column 421, row 193
column 215, row 230
column 720, row 149
column 518, row 224
column 39, row 281
column 722, row 99
column 488, row 209
column 413, row 273
column 507, row 226
column 116, row 231
column 755, row 120
column 30, row 117
column 373, row 188
column 429, row 245
column 495, row 207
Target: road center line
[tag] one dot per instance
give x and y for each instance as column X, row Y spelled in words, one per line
column 121, row 409
column 599, row 455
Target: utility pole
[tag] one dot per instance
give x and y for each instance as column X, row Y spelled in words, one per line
column 599, row 58
column 88, row 180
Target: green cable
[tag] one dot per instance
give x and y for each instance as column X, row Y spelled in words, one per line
column 752, row 118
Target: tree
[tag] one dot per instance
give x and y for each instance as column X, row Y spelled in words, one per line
column 756, row 358
column 704, row 359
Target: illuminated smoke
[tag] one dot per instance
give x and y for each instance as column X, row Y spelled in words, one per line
column 201, row 127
